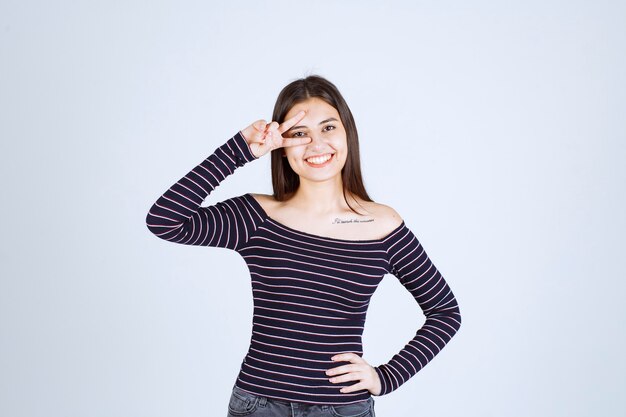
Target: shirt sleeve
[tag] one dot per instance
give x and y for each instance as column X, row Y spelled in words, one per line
column 409, row 262
column 177, row 216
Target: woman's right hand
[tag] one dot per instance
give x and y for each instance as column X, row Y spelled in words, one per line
column 263, row 137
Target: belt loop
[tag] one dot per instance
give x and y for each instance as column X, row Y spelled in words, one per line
column 262, row 401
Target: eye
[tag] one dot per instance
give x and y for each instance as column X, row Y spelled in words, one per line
column 296, row 134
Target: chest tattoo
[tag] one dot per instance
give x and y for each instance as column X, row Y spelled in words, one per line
column 341, row 221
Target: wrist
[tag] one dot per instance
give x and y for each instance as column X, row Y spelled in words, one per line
column 244, row 147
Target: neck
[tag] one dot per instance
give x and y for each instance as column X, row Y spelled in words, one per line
column 320, row 197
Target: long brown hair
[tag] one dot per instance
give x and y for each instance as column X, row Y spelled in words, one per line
column 284, row 179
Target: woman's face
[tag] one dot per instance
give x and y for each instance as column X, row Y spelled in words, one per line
column 328, row 138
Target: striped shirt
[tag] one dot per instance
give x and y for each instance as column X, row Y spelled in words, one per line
column 311, row 293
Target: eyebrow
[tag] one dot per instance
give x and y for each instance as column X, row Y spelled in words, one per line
column 330, row 119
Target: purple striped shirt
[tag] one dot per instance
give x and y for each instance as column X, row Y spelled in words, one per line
column 311, row 293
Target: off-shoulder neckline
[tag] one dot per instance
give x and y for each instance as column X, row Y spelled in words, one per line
column 319, row 237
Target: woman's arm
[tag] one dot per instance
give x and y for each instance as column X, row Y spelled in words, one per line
column 177, row 216
column 409, row 262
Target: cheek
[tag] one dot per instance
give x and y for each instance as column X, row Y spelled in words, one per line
column 340, row 143
column 293, row 152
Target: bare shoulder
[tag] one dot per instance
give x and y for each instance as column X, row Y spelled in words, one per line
column 259, row 196
column 389, row 218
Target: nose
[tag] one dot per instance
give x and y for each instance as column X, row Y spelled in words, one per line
column 317, row 143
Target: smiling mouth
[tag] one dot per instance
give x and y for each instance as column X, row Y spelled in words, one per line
column 320, row 158
column 320, row 161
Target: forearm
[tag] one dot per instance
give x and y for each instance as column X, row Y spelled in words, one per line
column 177, row 216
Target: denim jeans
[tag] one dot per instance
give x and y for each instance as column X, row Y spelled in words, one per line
column 244, row 403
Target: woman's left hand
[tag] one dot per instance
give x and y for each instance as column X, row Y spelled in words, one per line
column 357, row 370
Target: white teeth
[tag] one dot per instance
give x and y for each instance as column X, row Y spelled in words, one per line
column 319, row 159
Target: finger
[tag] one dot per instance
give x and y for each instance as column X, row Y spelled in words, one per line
column 287, row 124
column 352, row 376
column 336, row 371
column 259, row 136
column 258, row 131
column 352, row 388
column 295, row 141
column 345, row 368
column 347, row 357
column 271, row 131
column 273, row 126
column 259, row 126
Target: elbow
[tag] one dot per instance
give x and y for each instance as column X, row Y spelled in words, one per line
column 451, row 315
column 153, row 228
column 456, row 317
column 166, row 229
column 156, row 227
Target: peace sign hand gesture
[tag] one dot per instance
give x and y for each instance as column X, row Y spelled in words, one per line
column 263, row 138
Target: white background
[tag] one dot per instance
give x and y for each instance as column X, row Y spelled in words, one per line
column 496, row 129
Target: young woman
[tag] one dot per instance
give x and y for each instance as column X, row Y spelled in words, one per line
column 314, row 260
